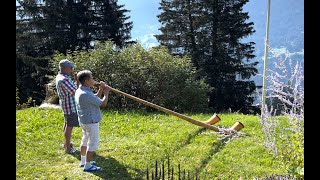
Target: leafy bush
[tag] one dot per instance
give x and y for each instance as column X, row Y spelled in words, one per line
column 153, row 75
column 30, row 102
column 290, row 99
column 24, row 105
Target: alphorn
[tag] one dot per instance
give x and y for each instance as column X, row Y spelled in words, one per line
column 207, row 124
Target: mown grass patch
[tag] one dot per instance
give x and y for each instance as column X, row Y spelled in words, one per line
column 131, row 141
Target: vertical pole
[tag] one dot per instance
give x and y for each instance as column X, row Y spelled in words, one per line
column 156, row 173
column 265, row 62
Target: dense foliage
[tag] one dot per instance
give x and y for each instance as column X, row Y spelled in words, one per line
column 153, row 75
column 43, row 27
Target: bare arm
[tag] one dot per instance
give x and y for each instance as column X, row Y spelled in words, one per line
column 106, row 96
column 76, row 80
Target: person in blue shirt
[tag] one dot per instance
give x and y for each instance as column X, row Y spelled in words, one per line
column 88, row 107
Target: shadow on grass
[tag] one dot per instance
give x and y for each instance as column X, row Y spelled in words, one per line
column 111, row 168
column 189, row 138
column 218, row 145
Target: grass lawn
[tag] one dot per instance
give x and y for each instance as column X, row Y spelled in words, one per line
column 132, row 141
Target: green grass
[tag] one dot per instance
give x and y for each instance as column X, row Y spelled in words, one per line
column 132, row 141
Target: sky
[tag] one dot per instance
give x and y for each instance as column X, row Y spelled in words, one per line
column 143, row 14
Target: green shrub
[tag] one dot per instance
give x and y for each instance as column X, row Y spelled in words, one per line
column 23, row 105
column 153, row 75
column 26, row 104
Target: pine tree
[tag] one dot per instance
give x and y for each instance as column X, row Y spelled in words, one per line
column 31, row 61
column 112, row 22
column 68, row 25
column 46, row 26
column 211, row 33
column 180, row 26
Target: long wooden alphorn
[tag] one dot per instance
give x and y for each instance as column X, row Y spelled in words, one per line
column 193, row 121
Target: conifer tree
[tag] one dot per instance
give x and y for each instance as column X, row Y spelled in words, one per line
column 211, row 32
column 46, row 26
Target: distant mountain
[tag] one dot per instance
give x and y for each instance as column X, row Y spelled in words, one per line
column 286, row 30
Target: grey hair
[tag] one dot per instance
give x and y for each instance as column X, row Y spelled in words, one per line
column 84, row 75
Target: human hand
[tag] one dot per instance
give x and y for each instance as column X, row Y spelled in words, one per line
column 102, row 85
column 106, row 89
